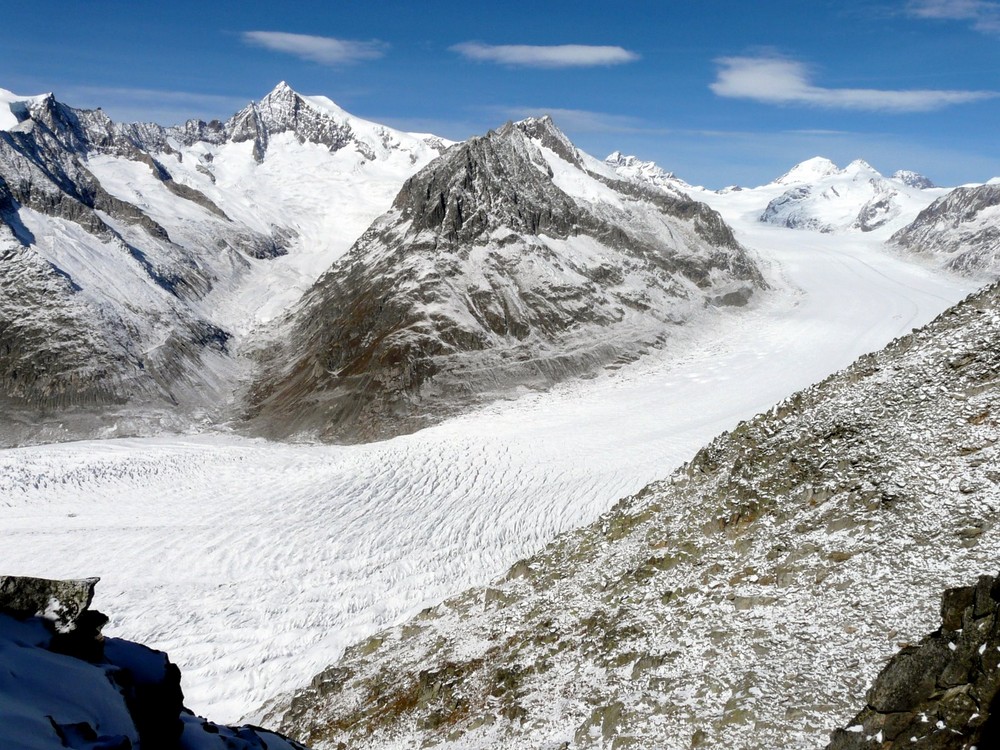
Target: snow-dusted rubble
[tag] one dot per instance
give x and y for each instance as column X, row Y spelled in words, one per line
column 746, row 601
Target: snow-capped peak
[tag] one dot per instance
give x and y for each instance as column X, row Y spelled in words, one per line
column 860, row 167
column 913, row 179
column 809, row 170
column 14, row 108
column 633, row 168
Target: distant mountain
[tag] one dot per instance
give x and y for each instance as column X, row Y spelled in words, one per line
column 747, row 601
column 514, row 260
column 961, row 228
column 822, row 197
column 136, row 258
column 633, row 168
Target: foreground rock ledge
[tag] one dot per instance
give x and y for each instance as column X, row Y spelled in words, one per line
column 63, row 685
column 940, row 694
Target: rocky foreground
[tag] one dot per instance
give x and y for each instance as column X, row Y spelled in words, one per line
column 748, row 601
column 63, row 685
column 941, row 694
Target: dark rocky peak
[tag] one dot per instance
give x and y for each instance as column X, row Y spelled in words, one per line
column 284, row 110
column 943, row 693
column 962, row 204
column 498, row 179
column 543, row 131
column 913, row 179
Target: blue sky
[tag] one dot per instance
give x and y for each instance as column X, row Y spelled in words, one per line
column 718, row 91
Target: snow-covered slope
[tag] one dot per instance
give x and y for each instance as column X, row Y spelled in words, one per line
column 63, row 685
column 821, row 197
column 513, row 261
column 633, row 168
column 961, row 228
column 278, row 557
column 744, row 602
column 146, row 255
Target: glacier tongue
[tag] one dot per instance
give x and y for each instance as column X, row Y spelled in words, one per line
column 281, row 556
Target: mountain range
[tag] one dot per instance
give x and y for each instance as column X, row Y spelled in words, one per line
column 300, row 274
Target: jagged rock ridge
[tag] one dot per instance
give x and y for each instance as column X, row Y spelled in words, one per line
column 745, row 602
column 64, row 685
column 513, row 260
column 962, row 228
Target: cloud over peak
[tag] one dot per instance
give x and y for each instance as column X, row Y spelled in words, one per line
column 552, row 56
column 776, row 80
column 325, row 50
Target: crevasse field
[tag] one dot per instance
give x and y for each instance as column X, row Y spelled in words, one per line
column 254, row 564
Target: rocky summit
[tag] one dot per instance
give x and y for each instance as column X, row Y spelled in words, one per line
column 745, row 602
column 63, row 685
column 512, row 261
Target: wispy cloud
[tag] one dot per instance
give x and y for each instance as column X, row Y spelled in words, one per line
column 775, row 80
column 325, row 50
column 984, row 15
column 554, row 56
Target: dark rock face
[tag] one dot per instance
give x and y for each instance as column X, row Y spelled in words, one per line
column 962, row 227
column 66, row 686
column 62, row 602
column 942, row 693
column 486, row 276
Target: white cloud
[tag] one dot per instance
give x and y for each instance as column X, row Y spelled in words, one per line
column 775, row 80
column 985, row 15
column 320, row 49
column 555, row 56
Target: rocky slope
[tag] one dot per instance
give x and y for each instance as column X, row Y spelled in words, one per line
column 135, row 258
column 942, row 693
column 63, row 685
column 745, row 602
column 823, row 198
column 962, row 229
column 512, row 261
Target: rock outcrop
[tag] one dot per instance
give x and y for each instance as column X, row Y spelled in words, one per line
column 943, row 693
column 63, row 685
